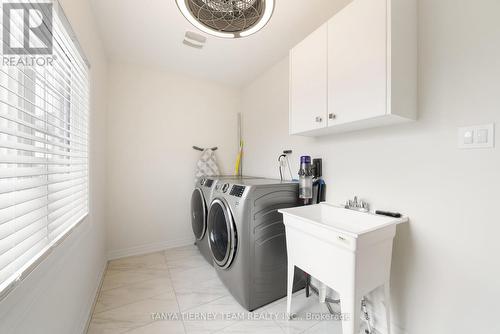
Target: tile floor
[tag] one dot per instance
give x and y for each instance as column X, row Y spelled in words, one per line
column 168, row 292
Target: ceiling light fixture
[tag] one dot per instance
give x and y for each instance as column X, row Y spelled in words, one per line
column 227, row 18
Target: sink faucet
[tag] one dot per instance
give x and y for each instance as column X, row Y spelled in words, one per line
column 358, row 205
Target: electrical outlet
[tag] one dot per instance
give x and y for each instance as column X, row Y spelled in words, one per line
column 480, row 136
column 469, row 137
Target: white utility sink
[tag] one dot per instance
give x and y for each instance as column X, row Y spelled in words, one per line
column 349, row 251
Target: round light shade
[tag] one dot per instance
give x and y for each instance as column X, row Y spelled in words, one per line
column 227, row 18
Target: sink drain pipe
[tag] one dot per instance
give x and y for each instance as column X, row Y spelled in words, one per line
column 330, row 301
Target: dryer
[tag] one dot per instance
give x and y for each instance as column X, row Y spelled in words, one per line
column 246, row 236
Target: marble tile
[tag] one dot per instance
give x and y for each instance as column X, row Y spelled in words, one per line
column 247, row 327
column 148, row 261
column 202, row 293
column 160, row 327
column 326, row 327
column 225, row 311
column 180, row 280
column 135, row 314
column 192, row 277
column 181, row 253
column 112, row 298
column 306, row 310
column 119, row 278
column 187, row 263
column 100, row 328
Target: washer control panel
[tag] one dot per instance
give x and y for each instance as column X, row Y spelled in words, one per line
column 225, row 188
column 237, row 191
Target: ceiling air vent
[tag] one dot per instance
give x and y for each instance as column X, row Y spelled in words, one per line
column 194, row 40
column 227, row 18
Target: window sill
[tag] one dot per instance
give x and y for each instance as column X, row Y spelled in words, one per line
column 11, row 283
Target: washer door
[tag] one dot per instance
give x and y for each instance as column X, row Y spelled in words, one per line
column 221, row 233
column 198, row 214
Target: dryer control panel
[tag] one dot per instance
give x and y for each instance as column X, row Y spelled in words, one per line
column 237, row 191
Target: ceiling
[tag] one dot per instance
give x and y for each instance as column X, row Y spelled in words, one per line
column 150, row 33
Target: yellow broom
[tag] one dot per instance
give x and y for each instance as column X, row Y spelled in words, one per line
column 237, row 167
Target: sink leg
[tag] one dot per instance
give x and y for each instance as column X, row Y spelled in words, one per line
column 308, row 284
column 387, row 296
column 291, row 273
column 350, row 306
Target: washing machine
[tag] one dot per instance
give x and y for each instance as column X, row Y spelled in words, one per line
column 200, row 202
column 246, row 237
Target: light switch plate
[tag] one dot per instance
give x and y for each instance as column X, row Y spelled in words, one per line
column 479, row 136
column 482, row 136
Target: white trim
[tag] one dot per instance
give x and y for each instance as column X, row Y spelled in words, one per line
column 87, row 316
column 20, row 275
column 149, row 248
column 58, row 9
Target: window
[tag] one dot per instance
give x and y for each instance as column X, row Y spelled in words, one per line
column 44, row 137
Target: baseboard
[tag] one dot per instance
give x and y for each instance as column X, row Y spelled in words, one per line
column 149, row 248
column 94, row 300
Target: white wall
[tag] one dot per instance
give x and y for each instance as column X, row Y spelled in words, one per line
column 445, row 269
column 154, row 120
column 57, row 297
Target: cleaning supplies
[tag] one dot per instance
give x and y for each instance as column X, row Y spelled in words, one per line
column 305, row 179
column 319, row 185
column 283, row 163
column 237, row 167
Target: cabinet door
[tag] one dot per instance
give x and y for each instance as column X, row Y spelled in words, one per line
column 357, row 62
column 308, row 82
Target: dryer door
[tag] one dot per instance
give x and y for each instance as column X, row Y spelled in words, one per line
column 198, row 214
column 221, row 233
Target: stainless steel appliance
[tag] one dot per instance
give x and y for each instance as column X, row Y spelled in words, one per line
column 247, row 240
column 200, row 202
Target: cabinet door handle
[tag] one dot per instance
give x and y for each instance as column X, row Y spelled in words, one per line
column 319, row 119
column 332, row 116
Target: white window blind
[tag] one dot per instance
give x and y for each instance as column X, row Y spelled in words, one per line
column 44, row 136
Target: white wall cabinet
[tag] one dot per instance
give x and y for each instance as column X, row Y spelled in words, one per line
column 358, row 70
column 309, row 82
